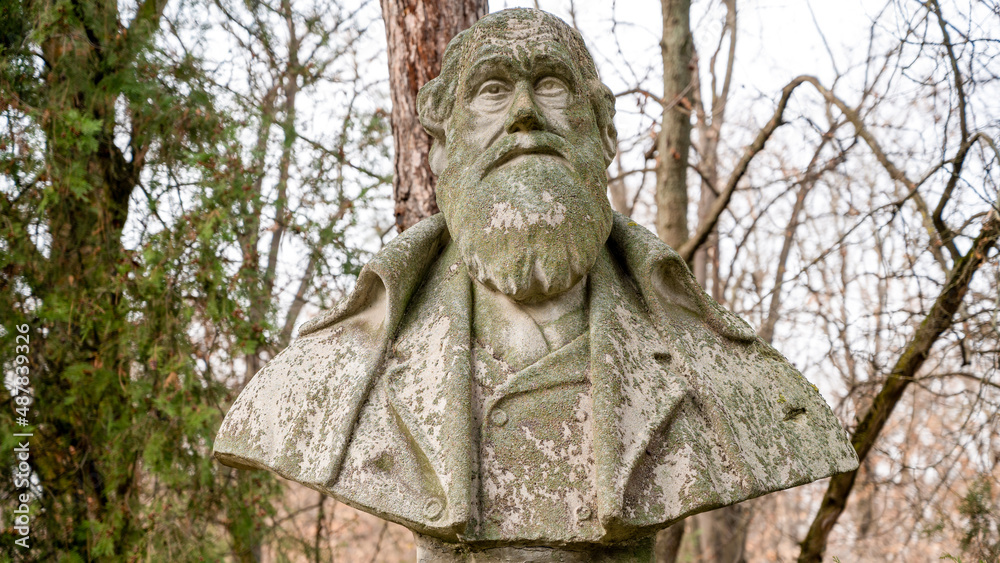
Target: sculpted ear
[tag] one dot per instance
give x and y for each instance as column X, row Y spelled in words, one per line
column 604, row 108
column 438, row 157
column 433, row 105
column 609, row 140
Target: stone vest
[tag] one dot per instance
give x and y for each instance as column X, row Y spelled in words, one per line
column 537, row 475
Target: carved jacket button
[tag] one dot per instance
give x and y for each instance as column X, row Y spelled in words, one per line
column 583, row 513
column 498, row 417
column 433, row 508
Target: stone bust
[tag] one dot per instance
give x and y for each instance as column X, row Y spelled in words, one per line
column 528, row 375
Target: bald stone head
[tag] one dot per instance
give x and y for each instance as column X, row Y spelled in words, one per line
column 523, row 135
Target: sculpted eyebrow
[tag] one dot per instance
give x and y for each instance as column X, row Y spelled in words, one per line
column 546, row 64
column 486, row 68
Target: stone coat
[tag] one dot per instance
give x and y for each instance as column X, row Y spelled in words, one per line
column 691, row 411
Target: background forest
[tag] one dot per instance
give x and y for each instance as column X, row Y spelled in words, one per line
column 183, row 183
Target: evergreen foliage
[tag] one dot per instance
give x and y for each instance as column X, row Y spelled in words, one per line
column 131, row 238
column 982, row 534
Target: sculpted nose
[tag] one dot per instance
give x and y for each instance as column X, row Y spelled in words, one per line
column 523, row 114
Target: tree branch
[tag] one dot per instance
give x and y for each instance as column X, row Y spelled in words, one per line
column 13, row 222
column 910, row 360
column 977, row 378
column 291, row 89
column 300, row 300
column 706, row 227
column 959, row 160
column 645, row 93
column 766, row 331
column 894, row 172
column 145, row 23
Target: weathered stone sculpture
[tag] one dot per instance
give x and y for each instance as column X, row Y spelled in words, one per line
column 529, row 376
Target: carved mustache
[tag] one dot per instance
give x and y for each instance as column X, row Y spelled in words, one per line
column 516, row 144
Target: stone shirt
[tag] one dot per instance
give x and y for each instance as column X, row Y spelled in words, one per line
column 531, row 395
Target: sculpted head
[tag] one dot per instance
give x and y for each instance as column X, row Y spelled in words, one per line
column 522, row 136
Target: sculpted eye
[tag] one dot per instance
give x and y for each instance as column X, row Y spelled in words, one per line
column 492, row 96
column 493, row 89
column 551, row 87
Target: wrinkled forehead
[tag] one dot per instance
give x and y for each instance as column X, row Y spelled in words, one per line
column 521, row 25
column 523, row 37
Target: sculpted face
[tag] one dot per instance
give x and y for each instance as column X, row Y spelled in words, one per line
column 524, row 187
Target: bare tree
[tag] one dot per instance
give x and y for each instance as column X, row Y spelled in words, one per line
column 674, row 140
column 832, row 165
column 960, row 266
column 303, row 188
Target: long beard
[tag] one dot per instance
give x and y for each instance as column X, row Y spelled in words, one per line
column 530, row 229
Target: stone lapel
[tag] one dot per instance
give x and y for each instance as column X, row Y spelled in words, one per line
column 372, row 404
column 635, row 392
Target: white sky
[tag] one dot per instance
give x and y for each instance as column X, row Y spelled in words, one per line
column 777, row 39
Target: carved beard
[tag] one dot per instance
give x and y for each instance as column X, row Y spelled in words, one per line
column 528, row 220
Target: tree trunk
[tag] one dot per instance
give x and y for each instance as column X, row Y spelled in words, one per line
column 723, row 534
column 675, row 131
column 672, row 146
column 417, row 32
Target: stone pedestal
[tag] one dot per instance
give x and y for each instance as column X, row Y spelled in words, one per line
column 431, row 550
